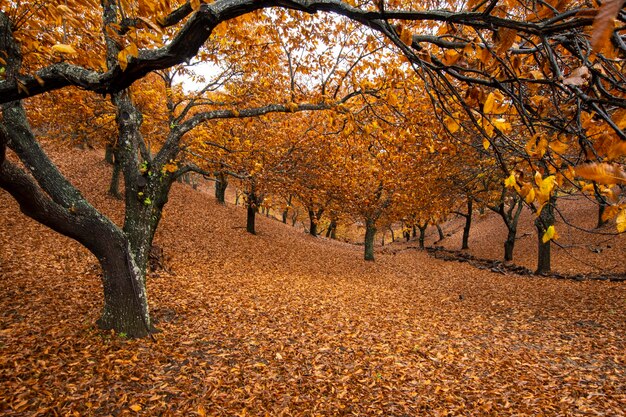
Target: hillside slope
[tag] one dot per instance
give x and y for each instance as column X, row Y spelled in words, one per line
column 285, row 324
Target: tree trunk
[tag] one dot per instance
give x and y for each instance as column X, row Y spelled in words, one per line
column 422, row 234
column 602, row 205
column 441, row 235
column 468, row 224
column 312, row 223
column 109, row 152
column 370, row 233
column 125, row 301
column 332, row 229
column 251, row 218
column 542, row 222
column 114, row 187
column 509, row 244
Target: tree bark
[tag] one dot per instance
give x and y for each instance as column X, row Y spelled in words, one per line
column 602, row 205
column 220, row 187
column 422, row 237
column 253, row 203
column 542, row 222
column 312, row 223
column 509, row 244
column 468, row 224
column 440, row 232
column 251, row 219
column 370, row 233
column 114, row 187
column 332, row 229
column 109, row 151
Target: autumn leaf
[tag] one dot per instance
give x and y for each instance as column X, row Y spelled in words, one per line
column 550, row 234
column 510, row 182
column 135, row 407
column 620, row 221
column 603, row 24
column 406, row 36
column 451, row 124
column 603, row 173
column 578, row 77
column 63, row 49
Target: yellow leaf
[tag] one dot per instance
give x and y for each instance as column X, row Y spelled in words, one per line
column 201, row 411
column 122, row 58
column 510, row 181
column 450, row 57
column 530, row 197
column 502, row 125
column 620, row 221
column 195, row 4
column 488, row 106
column 135, row 407
column 486, row 143
column 451, row 124
column 132, row 50
column 61, row 48
column 292, row 107
column 609, row 213
column 550, row 234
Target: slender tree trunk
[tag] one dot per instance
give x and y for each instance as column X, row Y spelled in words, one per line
column 422, row 237
column 251, row 218
column 509, row 244
column 370, row 233
column 542, row 222
column 294, row 218
column 221, row 183
column 468, row 224
column 393, row 236
column 109, row 152
column 441, row 235
column 601, row 209
column 312, row 223
column 332, row 228
column 114, row 187
column 286, row 210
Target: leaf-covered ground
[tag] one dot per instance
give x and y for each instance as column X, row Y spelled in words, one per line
column 282, row 324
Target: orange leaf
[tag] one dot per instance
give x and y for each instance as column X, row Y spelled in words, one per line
column 603, row 24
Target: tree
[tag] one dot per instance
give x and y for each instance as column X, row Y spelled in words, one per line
column 533, row 63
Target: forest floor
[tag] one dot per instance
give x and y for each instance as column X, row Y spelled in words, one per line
column 284, row 324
